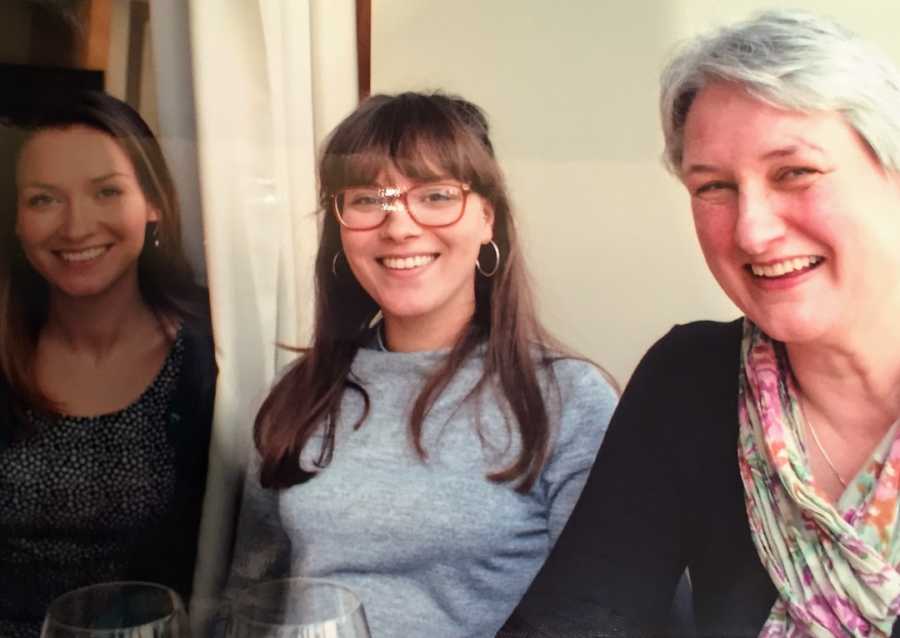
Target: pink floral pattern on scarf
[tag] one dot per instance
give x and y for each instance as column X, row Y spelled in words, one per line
column 834, row 567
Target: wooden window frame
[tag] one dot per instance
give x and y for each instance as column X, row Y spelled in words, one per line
column 364, row 48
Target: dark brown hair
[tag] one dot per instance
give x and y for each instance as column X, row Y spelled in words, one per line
column 424, row 137
column 165, row 277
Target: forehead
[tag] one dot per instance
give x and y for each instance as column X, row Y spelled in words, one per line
column 725, row 123
column 63, row 155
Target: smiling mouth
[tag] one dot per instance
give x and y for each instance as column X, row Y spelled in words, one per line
column 793, row 266
column 81, row 256
column 407, row 263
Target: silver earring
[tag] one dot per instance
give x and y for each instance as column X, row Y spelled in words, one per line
column 334, row 261
column 153, row 227
column 496, row 267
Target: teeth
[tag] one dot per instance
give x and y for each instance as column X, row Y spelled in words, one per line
column 784, row 267
column 405, row 263
column 83, row 255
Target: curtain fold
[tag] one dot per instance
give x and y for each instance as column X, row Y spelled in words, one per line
column 255, row 66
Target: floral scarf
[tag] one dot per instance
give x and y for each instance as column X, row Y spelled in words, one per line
column 833, row 566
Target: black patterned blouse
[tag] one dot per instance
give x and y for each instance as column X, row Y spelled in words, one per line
column 78, row 497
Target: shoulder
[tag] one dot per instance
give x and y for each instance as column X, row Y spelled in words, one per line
column 580, row 403
column 197, row 316
column 686, row 385
column 197, row 333
column 195, row 392
column 582, row 385
column 705, row 336
column 698, row 349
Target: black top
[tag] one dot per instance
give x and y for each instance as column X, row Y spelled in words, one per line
column 112, row 497
column 664, row 495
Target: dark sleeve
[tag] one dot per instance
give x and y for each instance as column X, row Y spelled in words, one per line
column 616, row 565
column 6, row 414
column 169, row 555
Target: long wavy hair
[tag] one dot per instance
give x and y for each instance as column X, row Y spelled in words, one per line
column 165, row 278
column 425, row 137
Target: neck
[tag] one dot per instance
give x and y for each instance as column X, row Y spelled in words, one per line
column 855, row 383
column 425, row 334
column 96, row 324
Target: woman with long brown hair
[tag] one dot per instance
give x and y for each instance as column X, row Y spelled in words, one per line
column 427, row 448
column 106, row 360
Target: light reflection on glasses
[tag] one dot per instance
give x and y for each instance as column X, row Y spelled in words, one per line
column 432, row 205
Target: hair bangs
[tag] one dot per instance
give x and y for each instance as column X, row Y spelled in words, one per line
column 423, row 143
column 427, row 155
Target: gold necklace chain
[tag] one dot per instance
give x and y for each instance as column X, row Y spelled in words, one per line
column 819, row 445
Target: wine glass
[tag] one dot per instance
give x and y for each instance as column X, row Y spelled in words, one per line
column 298, row 608
column 117, row 610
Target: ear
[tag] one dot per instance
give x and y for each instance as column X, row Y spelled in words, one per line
column 152, row 213
column 488, row 212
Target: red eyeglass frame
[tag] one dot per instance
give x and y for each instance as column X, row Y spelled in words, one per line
column 396, row 194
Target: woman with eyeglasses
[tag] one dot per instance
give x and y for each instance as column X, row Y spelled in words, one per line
column 427, row 448
column 106, row 360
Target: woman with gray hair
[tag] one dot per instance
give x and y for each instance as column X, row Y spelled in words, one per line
column 763, row 455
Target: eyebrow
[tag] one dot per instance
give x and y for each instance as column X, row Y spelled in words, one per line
column 693, row 169
column 109, row 175
column 93, row 180
column 790, row 150
column 784, row 151
column 39, row 185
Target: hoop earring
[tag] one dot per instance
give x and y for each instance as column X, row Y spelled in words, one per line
column 496, row 267
column 334, row 261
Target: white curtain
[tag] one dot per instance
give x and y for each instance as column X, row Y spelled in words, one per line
column 269, row 78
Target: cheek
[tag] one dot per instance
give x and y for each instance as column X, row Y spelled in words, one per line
column 818, row 208
column 31, row 229
column 137, row 229
column 350, row 245
column 466, row 240
column 356, row 255
column 715, row 232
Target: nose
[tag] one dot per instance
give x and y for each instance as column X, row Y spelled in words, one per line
column 78, row 220
column 399, row 224
column 759, row 222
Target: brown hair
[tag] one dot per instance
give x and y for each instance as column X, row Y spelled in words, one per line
column 424, row 137
column 165, row 277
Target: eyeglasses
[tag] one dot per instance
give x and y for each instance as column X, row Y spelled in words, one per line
column 431, row 205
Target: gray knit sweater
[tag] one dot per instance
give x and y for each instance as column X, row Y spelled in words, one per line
column 433, row 548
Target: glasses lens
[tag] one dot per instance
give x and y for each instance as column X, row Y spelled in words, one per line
column 430, row 204
column 436, row 204
column 361, row 207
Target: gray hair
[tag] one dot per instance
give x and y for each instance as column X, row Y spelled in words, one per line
column 792, row 60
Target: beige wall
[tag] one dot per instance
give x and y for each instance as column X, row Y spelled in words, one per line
column 571, row 90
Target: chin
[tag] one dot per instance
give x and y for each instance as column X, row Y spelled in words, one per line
column 81, row 290
column 791, row 330
column 404, row 312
